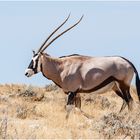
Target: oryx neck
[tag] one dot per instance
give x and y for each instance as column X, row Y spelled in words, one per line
column 50, row 68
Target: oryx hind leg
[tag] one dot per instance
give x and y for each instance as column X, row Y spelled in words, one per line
column 125, row 85
column 78, row 106
column 126, row 93
column 120, row 94
column 123, row 106
column 74, row 100
column 78, row 101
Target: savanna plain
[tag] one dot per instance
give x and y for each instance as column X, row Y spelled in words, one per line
column 28, row 112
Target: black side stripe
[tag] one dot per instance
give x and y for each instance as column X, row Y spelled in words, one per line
column 35, row 69
column 69, row 55
column 31, row 65
column 103, row 84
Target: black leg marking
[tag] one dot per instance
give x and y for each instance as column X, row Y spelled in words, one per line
column 119, row 94
column 71, row 98
column 126, row 93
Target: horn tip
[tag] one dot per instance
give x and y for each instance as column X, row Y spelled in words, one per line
column 82, row 16
column 69, row 15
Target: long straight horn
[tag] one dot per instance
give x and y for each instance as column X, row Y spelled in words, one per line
column 61, row 34
column 53, row 33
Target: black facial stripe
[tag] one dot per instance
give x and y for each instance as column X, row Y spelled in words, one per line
column 31, row 65
column 36, row 65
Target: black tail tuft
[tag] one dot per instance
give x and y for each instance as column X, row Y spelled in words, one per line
column 138, row 85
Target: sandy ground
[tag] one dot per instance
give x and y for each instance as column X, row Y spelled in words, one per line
column 39, row 113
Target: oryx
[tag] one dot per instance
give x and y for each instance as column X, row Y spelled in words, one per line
column 77, row 73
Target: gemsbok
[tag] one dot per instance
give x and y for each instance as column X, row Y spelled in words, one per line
column 84, row 74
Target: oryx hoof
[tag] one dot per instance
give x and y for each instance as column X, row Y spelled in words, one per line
column 69, row 107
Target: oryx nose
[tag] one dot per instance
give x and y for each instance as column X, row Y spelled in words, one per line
column 26, row 73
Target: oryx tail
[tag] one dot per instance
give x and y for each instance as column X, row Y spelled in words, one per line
column 137, row 77
column 137, row 84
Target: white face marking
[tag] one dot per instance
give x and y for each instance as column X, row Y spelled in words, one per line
column 34, row 63
column 29, row 72
column 34, row 60
column 39, row 66
column 33, row 67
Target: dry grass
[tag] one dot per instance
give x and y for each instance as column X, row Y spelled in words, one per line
column 36, row 113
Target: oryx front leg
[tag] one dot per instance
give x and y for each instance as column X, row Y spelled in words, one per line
column 78, row 101
column 70, row 103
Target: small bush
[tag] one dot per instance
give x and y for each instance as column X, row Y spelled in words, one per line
column 21, row 112
column 114, row 125
column 51, row 87
column 99, row 101
column 28, row 92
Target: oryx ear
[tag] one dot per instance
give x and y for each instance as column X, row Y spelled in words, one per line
column 33, row 52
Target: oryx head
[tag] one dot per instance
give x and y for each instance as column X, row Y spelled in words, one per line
column 35, row 64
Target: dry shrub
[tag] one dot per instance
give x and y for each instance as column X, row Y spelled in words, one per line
column 31, row 93
column 115, row 126
column 28, row 92
column 25, row 109
column 28, row 119
column 98, row 101
column 52, row 87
